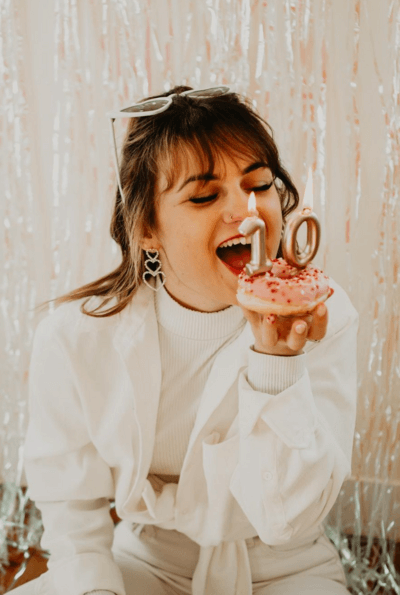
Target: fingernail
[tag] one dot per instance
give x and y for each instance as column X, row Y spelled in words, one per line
column 271, row 318
column 321, row 310
column 300, row 327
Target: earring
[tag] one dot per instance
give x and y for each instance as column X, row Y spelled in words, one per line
column 153, row 268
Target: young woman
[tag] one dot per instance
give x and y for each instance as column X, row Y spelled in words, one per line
column 223, row 437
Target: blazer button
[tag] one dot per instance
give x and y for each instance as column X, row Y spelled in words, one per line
column 267, row 475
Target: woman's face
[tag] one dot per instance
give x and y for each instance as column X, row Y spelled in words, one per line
column 197, row 215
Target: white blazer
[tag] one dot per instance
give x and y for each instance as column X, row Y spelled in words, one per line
column 256, row 464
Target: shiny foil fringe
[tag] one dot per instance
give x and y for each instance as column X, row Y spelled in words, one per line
column 324, row 73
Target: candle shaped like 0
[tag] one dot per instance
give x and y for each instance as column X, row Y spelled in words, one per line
column 254, row 226
column 290, row 249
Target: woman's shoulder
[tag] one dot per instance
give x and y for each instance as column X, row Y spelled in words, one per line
column 341, row 309
column 71, row 319
column 71, row 315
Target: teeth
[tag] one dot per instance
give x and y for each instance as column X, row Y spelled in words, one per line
column 235, row 241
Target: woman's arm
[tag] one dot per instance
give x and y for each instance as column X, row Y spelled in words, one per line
column 67, row 478
column 296, row 435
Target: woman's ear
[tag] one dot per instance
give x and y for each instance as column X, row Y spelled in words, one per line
column 150, row 242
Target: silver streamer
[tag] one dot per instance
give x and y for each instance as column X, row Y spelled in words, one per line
column 325, row 74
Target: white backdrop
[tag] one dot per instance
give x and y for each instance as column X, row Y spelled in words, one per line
column 324, row 73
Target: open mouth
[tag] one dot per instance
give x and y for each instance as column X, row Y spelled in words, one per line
column 235, row 253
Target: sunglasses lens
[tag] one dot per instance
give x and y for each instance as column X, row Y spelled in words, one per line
column 213, row 92
column 146, row 106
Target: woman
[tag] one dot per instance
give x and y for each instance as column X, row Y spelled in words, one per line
column 223, row 437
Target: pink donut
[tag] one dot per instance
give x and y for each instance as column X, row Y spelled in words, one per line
column 284, row 290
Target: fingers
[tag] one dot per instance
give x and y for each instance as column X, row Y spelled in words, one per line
column 281, row 335
column 266, row 326
column 264, row 329
column 298, row 335
column 312, row 328
column 253, row 317
column 319, row 323
column 269, row 331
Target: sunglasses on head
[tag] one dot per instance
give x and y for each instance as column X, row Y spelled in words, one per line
column 152, row 107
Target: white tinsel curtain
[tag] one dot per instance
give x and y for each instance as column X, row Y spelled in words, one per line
column 324, row 73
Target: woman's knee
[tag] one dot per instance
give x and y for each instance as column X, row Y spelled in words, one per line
column 138, row 579
column 304, row 585
column 33, row 587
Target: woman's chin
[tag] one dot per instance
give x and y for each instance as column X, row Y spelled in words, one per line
column 229, row 284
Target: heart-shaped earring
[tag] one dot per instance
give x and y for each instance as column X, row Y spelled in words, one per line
column 153, row 268
column 152, row 257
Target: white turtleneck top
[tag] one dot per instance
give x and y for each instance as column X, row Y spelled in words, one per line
column 189, row 342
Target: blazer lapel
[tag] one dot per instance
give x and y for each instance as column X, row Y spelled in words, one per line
column 136, row 339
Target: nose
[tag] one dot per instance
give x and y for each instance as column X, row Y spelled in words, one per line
column 236, row 206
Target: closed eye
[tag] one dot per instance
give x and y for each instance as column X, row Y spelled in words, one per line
column 204, row 199
column 263, row 188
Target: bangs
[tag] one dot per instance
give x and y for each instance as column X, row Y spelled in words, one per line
column 204, row 150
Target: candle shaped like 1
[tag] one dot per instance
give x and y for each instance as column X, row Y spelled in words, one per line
column 290, row 249
column 254, row 226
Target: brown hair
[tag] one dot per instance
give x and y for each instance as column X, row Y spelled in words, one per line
column 206, row 127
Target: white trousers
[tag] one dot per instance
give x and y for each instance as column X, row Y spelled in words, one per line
column 156, row 561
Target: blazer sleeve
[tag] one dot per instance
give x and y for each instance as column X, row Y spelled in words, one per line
column 68, row 480
column 296, row 444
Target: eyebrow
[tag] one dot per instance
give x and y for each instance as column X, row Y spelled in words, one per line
column 208, row 177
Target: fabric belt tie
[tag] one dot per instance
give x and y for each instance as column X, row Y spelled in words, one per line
column 223, row 569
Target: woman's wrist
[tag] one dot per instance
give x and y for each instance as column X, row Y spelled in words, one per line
column 277, row 350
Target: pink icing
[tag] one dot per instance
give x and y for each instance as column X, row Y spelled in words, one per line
column 287, row 285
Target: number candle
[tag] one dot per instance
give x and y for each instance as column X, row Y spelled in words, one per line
column 291, row 252
column 254, row 226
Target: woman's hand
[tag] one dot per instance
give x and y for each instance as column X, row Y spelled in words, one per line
column 287, row 335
